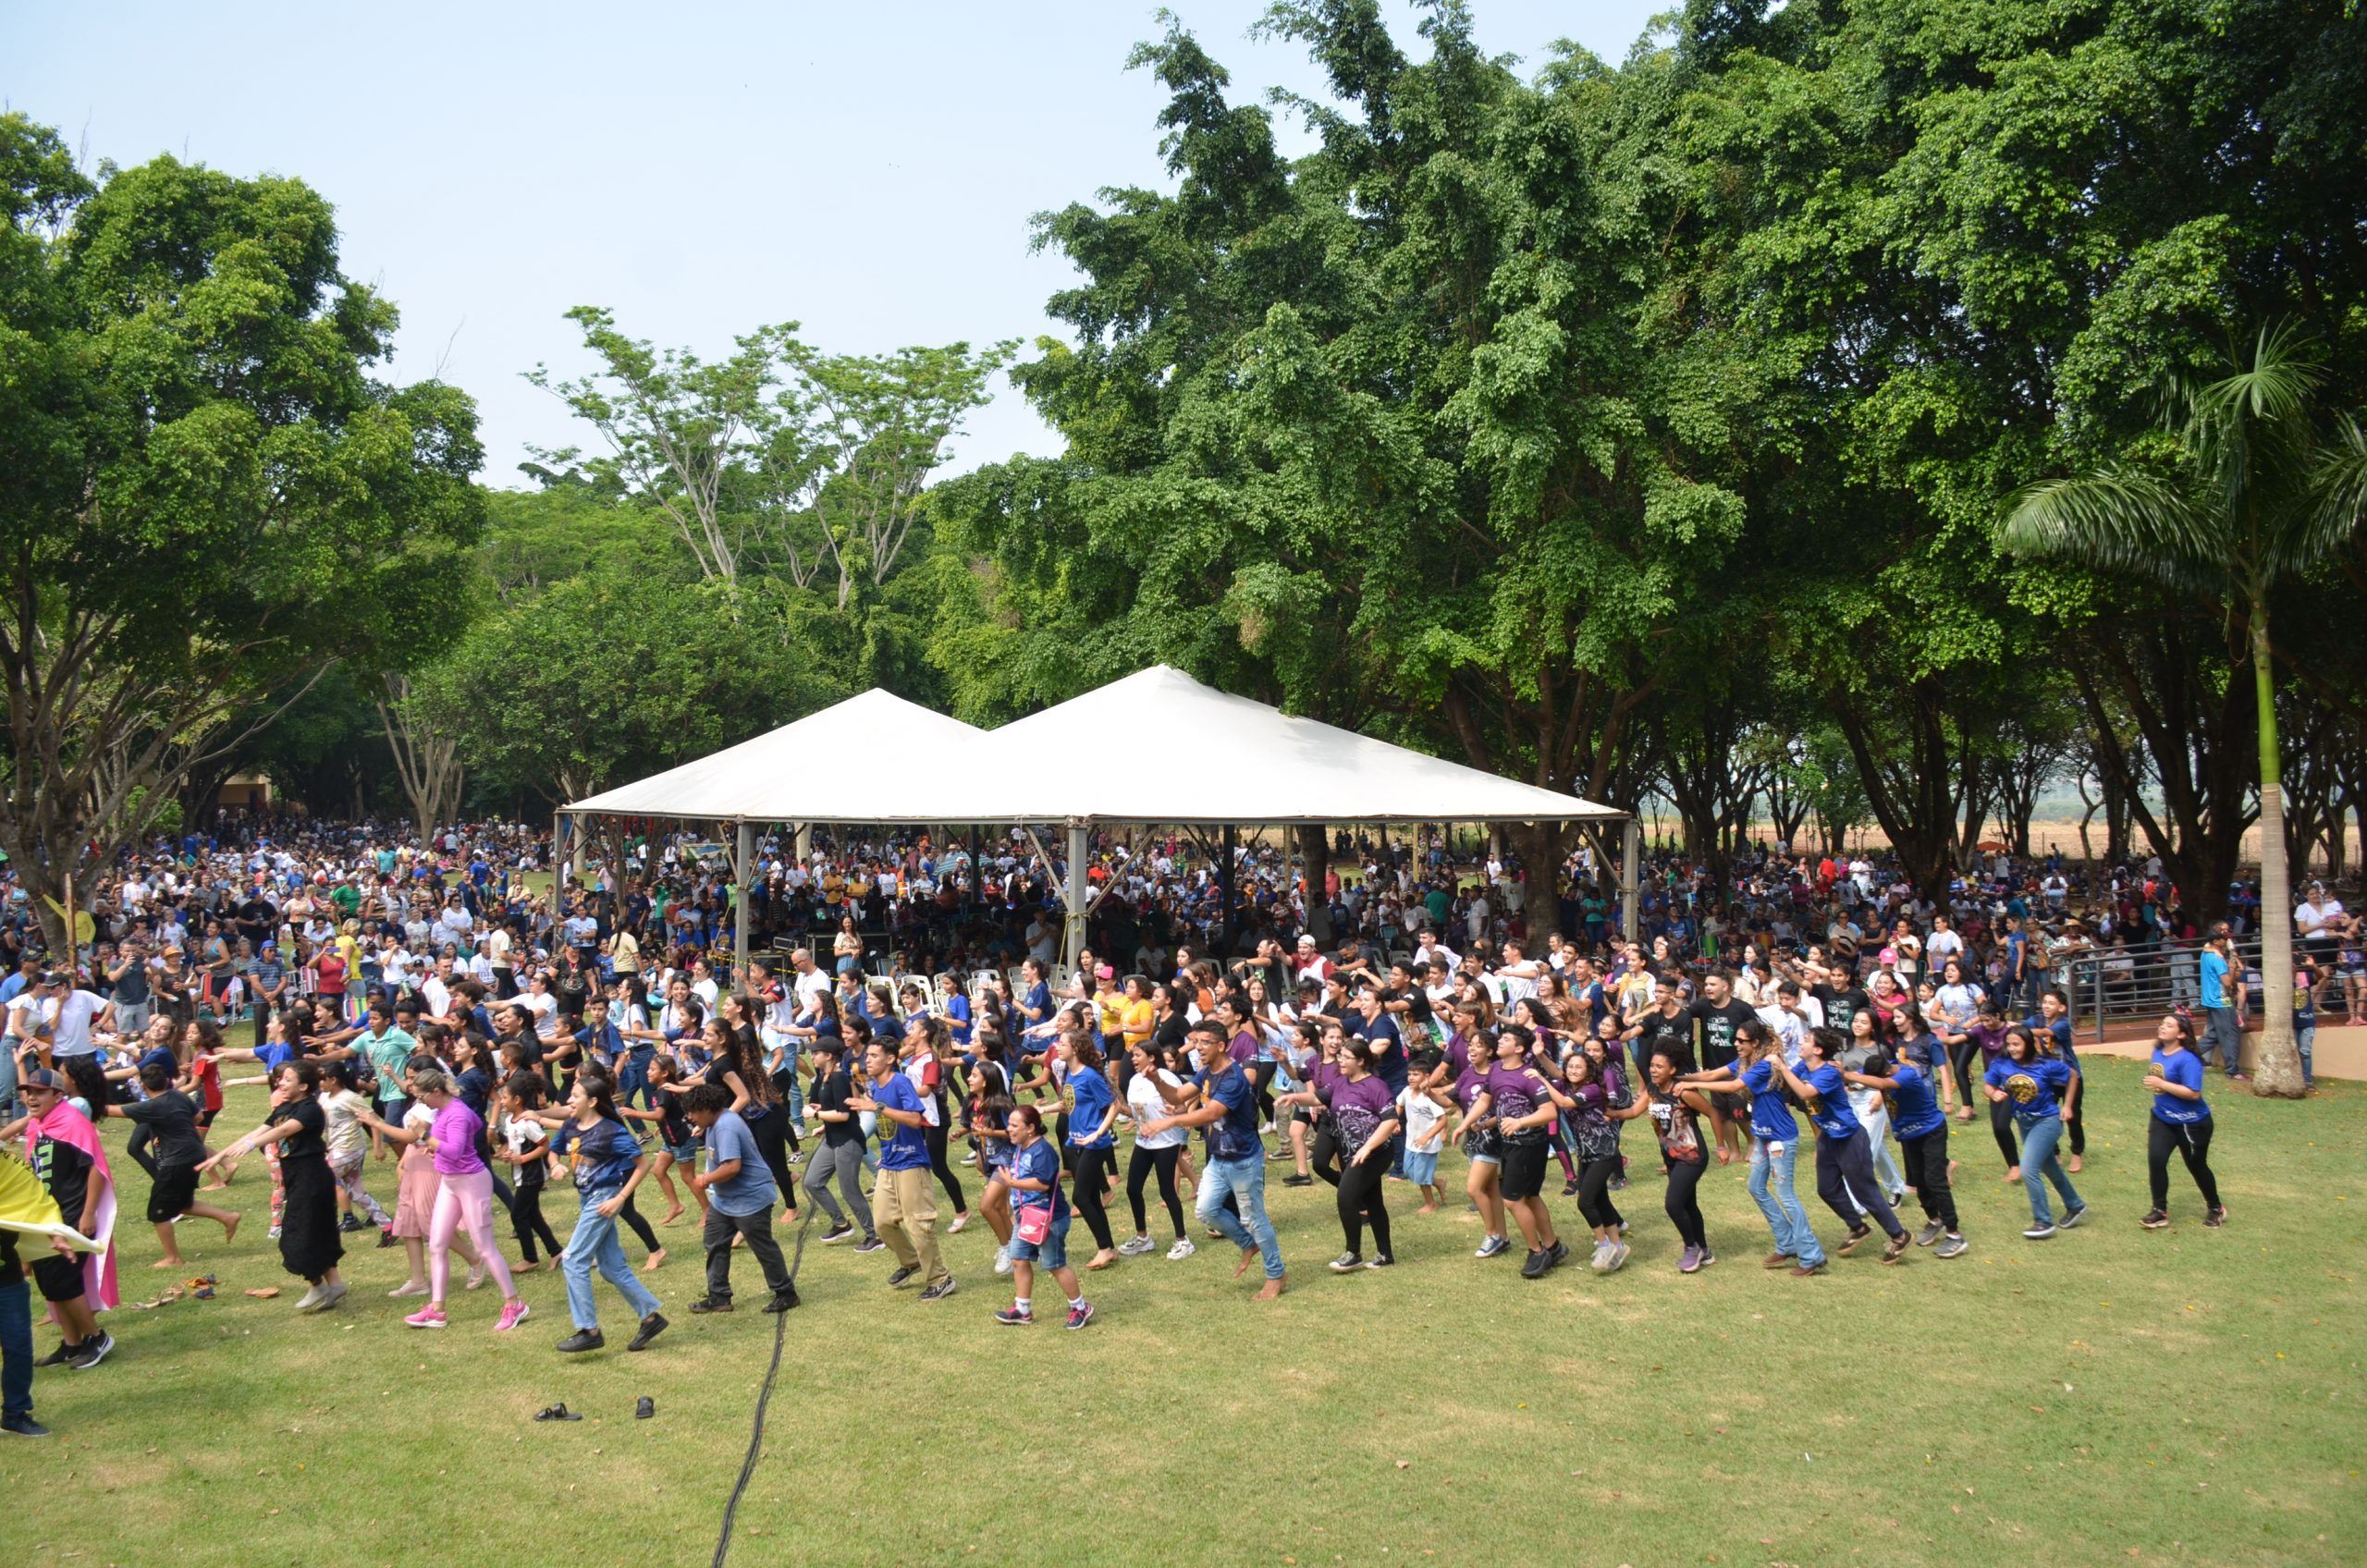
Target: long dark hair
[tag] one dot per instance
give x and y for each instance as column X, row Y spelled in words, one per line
column 744, row 1056
column 602, row 1089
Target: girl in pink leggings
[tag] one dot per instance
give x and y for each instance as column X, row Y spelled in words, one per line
column 463, row 1202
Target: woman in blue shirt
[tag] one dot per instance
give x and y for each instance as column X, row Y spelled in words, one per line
column 1844, row 1159
column 1922, row 1129
column 1093, row 1137
column 2182, row 1121
column 2030, row 1084
column 1040, row 1222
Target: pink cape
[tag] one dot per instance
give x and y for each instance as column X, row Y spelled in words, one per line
column 67, row 1125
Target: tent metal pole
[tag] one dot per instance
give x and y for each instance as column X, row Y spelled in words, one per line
column 1631, row 889
column 746, row 846
column 1224, row 894
column 1073, row 939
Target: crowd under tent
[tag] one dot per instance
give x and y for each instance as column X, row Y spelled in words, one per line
column 1224, row 761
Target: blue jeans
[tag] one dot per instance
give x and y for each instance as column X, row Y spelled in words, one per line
column 2040, row 1165
column 16, row 1346
column 2222, row 1037
column 2304, row 1036
column 594, row 1245
column 632, row 1077
column 1245, row 1180
column 1771, row 1187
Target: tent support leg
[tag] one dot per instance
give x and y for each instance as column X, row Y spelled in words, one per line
column 745, row 856
column 1631, row 887
column 1073, row 939
column 1224, row 893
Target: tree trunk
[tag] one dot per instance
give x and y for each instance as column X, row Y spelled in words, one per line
column 1540, row 846
column 2278, row 1071
column 1315, row 846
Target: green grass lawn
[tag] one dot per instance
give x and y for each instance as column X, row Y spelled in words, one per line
column 2114, row 1395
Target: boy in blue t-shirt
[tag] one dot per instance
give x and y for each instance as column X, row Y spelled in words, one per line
column 740, row 1192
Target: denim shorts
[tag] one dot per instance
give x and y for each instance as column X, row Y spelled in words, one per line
column 1422, row 1169
column 1052, row 1252
column 685, row 1154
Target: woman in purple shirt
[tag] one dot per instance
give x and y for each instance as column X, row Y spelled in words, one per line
column 1365, row 1110
column 1524, row 1104
column 463, row 1201
column 1597, row 1087
column 1477, row 1135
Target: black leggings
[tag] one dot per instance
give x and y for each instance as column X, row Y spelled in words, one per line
column 1594, row 1192
column 771, row 1132
column 1684, row 1208
column 1925, row 1161
column 1139, row 1165
column 527, row 1221
column 1093, row 1169
column 1323, row 1152
column 1845, row 1168
column 1361, row 1200
column 2080, row 1112
column 2001, row 1122
column 944, row 1168
column 1965, row 1056
column 637, row 1225
column 2192, row 1140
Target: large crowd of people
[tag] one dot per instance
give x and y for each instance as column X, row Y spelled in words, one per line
column 910, row 1037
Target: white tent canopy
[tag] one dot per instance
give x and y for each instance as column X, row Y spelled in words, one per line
column 1215, row 760
column 1225, row 759
column 1218, row 759
column 848, row 763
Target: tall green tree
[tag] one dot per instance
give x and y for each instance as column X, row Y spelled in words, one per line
column 2257, row 484
column 610, row 674
column 782, row 464
column 1379, row 433
column 206, row 498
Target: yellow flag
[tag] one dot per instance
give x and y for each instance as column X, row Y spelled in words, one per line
column 85, row 929
column 25, row 1204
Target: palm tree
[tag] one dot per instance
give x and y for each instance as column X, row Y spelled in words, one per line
column 2261, row 488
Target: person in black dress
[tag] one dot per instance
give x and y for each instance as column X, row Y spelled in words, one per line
column 309, row 1244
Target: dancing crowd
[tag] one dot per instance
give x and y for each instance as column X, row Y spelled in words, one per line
column 909, row 1035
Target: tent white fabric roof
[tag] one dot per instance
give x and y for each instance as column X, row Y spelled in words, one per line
column 834, row 765
column 1239, row 760
column 1263, row 765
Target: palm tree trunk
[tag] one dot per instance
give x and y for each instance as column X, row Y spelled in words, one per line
column 2278, row 1071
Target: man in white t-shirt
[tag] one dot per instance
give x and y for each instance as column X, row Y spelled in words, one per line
column 809, row 983
column 1942, row 945
column 1519, row 974
column 78, row 1010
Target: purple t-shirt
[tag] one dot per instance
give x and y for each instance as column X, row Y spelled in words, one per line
column 1467, row 1085
column 455, row 1130
column 1359, row 1108
column 1513, row 1093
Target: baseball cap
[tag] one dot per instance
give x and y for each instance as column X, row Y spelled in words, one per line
column 43, row 1078
column 1103, row 972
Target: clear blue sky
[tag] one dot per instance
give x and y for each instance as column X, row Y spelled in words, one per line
column 868, row 170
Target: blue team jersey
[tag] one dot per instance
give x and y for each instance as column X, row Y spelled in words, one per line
column 2033, row 1088
column 2184, row 1068
column 1916, row 1108
column 1771, row 1114
column 1832, row 1114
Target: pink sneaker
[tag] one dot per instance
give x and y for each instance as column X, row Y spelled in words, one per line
column 427, row 1318
column 513, row 1314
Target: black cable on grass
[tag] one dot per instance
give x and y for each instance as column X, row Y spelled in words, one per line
column 764, row 1398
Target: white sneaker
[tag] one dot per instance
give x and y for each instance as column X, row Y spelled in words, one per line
column 1002, row 1260
column 1180, row 1249
column 1134, row 1246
